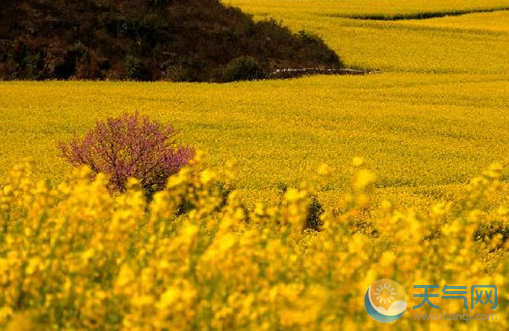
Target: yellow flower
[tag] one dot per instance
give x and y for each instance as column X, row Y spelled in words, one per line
column 362, row 179
column 169, row 298
column 324, row 170
column 207, row 176
column 33, row 265
column 358, row 161
column 227, row 242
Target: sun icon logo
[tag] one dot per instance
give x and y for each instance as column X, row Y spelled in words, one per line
column 385, row 293
column 385, row 300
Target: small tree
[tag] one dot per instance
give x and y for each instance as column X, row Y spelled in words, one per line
column 130, row 146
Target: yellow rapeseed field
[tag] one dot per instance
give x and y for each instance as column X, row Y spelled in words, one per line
column 74, row 257
column 424, row 200
column 479, row 23
column 401, row 45
column 386, row 9
column 422, row 134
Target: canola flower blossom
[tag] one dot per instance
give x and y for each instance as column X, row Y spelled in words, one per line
column 75, row 257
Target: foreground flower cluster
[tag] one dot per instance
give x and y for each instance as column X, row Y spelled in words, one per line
column 74, row 257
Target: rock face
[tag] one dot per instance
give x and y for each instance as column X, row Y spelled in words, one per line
column 180, row 40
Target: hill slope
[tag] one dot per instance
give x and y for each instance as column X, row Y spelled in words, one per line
column 191, row 40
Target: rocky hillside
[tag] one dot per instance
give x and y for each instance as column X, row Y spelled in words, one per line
column 179, row 40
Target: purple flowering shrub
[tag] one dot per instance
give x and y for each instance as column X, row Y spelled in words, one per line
column 130, row 146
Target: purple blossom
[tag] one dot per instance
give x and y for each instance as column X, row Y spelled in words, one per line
column 130, row 146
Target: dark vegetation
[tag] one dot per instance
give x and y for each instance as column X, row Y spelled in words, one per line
column 418, row 16
column 314, row 212
column 177, row 40
column 243, row 68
